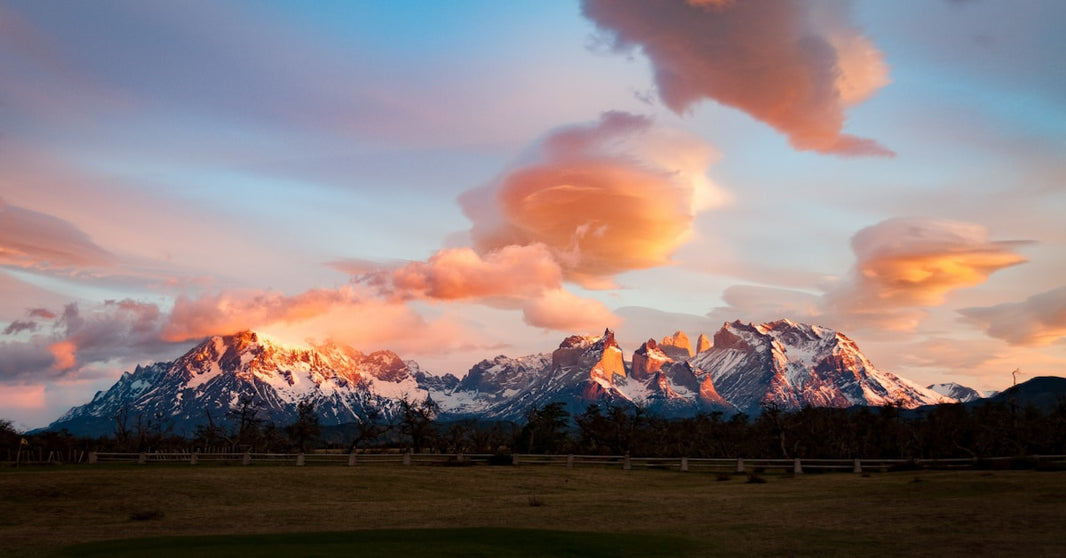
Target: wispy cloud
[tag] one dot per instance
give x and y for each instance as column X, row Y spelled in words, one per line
column 1038, row 320
column 36, row 241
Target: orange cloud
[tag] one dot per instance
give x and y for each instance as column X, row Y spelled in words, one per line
column 603, row 198
column 1038, row 320
column 228, row 312
column 907, row 263
column 65, row 353
column 793, row 64
column 902, row 266
column 462, row 273
column 562, row 310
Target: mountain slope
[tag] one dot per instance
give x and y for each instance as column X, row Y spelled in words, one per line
column 748, row 366
column 793, row 365
column 956, row 391
column 226, row 372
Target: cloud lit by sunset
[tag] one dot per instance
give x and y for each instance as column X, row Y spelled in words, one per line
column 795, row 65
column 410, row 177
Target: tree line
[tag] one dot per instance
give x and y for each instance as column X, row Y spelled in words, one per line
column 988, row 429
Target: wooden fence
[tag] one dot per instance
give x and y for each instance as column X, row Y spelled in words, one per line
column 624, row 462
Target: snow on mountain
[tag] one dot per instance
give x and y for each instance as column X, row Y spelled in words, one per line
column 748, row 366
column 956, row 391
column 795, row 365
column 225, row 372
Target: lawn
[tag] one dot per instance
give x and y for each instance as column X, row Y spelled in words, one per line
column 524, row 511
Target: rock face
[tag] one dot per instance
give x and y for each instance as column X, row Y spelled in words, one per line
column 748, row 366
column 677, row 346
column 702, row 343
column 793, row 365
column 647, row 360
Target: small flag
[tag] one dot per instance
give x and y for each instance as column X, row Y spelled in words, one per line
column 24, row 442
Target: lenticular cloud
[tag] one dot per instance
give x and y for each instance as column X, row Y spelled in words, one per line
column 615, row 195
column 793, row 64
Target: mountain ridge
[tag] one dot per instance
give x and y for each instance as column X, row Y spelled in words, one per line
column 748, row 366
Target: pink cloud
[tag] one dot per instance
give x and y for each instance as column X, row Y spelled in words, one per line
column 1038, row 320
column 612, row 196
column 232, row 311
column 33, row 240
column 560, row 309
column 462, row 273
column 795, row 65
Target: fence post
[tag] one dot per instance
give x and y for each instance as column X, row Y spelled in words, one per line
column 142, row 458
column 407, row 458
column 351, row 459
column 247, row 458
column 858, row 466
column 92, row 458
column 194, row 458
column 459, row 457
column 626, row 465
column 300, row 459
column 514, row 459
column 684, row 464
column 570, row 461
column 740, row 464
column 797, row 468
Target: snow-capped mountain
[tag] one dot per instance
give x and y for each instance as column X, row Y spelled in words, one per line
column 747, row 367
column 225, row 372
column 956, row 391
column 794, row 365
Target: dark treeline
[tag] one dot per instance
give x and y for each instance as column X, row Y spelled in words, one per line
column 988, row 429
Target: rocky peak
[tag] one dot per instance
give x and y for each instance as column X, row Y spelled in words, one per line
column 647, row 360
column 677, row 346
column 730, row 337
column 702, row 343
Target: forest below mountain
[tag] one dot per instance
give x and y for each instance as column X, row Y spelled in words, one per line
column 999, row 427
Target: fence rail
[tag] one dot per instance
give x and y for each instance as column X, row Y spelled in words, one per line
column 625, row 462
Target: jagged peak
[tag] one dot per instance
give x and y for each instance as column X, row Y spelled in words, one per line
column 703, row 343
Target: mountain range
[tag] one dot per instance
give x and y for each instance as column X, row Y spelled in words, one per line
column 742, row 368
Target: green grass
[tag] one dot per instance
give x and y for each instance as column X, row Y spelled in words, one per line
column 337, row 509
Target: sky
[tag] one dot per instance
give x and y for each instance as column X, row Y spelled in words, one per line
column 457, row 180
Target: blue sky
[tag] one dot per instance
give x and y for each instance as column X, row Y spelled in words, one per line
column 456, row 180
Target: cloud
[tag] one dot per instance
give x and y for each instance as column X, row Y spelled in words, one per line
column 462, row 273
column 32, row 240
column 907, row 263
column 793, row 64
column 232, row 311
column 562, row 310
column 585, row 203
column 18, row 326
column 63, row 343
column 615, row 195
column 1038, row 320
column 903, row 265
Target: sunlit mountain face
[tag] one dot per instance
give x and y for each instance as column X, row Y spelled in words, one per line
column 781, row 364
column 452, row 181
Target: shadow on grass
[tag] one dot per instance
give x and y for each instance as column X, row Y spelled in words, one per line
column 396, row 542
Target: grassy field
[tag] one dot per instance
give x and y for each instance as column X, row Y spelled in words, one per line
column 978, row 513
